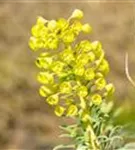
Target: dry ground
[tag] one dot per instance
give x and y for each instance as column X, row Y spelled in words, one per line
column 26, row 122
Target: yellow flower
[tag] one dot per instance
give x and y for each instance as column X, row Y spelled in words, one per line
column 96, row 45
column 44, row 91
column 77, row 27
column 53, row 99
column 43, row 61
column 59, row 110
column 35, row 43
column 97, row 48
column 82, row 91
column 52, row 24
column 109, row 89
column 78, row 70
column 67, row 55
column 68, row 36
column 57, row 66
column 41, row 20
column 104, row 67
column 86, row 28
column 84, row 46
column 65, row 87
column 51, row 42
column 100, row 83
column 72, row 110
column 96, row 99
column 39, row 31
column 82, row 59
column 99, row 75
column 91, row 56
column 45, row 78
column 62, row 24
column 89, row 74
column 85, row 116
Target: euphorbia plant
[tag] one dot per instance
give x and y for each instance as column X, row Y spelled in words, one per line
column 72, row 76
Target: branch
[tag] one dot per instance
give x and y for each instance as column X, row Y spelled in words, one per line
column 127, row 71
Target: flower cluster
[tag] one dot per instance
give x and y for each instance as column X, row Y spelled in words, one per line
column 72, row 74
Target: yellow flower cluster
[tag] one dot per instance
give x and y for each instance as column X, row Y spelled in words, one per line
column 69, row 70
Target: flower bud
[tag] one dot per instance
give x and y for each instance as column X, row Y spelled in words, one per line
column 85, row 116
column 67, row 55
column 44, row 91
column 84, row 46
column 65, row 87
column 41, row 20
column 82, row 59
column 78, row 70
column 68, row 36
column 62, row 23
column 45, row 78
column 72, row 111
column 59, row 111
column 77, row 14
column 43, row 62
column 86, row 28
column 53, row 99
column 52, row 25
column 104, row 67
column 77, row 27
column 109, row 89
column 99, row 75
column 53, row 44
column 89, row 74
column 96, row 99
column 35, row 44
column 82, row 91
column 91, row 56
column 57, row 66
column 96, row 45
column 100, row 83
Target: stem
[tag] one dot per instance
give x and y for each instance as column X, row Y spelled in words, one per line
column 92, row 141
column 127, row 71
column 100, row 60
column 92, row 137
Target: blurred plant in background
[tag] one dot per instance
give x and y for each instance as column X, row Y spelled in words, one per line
column 73, row 82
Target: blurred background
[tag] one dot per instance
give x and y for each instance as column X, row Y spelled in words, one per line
column 26, row 121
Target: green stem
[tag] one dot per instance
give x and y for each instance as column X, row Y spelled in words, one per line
column 92, row 137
